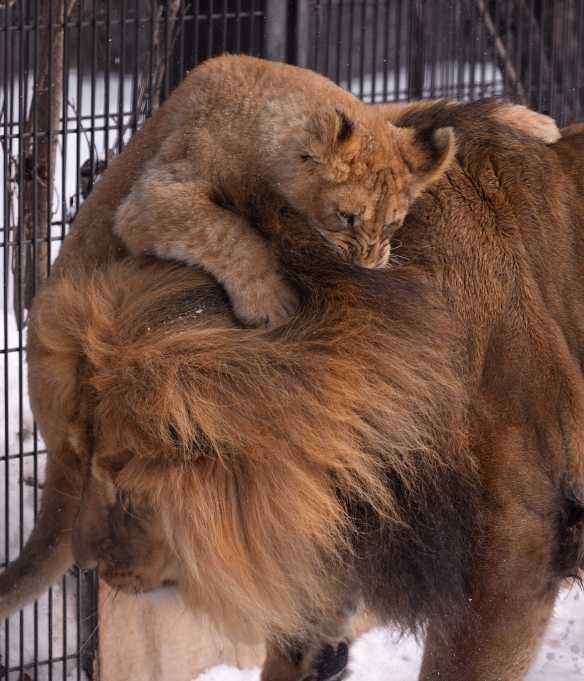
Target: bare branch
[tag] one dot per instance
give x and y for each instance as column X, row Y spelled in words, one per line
column 39, row 157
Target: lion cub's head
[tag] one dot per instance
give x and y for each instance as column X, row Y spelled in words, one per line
column 357, row 179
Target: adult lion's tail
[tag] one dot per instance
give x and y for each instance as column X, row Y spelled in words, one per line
column 47, row 553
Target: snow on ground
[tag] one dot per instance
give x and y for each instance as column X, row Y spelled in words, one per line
column 378, row 655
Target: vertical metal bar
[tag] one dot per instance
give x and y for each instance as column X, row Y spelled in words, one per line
column 397, row 51
column 64, row 126
column 181, row 36
column 276, row 30
column 374, row 65
column 64, row 166
column 472, row 20
column 494, row 59
column 78, row 107
column 48, row 232
column 5, row 282
column 328, row 38
column 35, row 231
column 579, row 57
column 302, row 47
column 350, row 44
column 460, row 55
column 224, row 26
column 519, row 47
column 339, row 41
column 530, row 48
column 416, row 51
column 238, row 26
column 483, row 53
column 168, row 28
column 122, row 72
column 22, row 141
column 107, row 76
column 386, row 23
column 433, row 51
column 541, row 57
column 50, row 134
column 92, row 155
column 316, row 34
column 150, row 58
column 210, row 29
column 252, row 28
column 135, row 81
column 362, row 49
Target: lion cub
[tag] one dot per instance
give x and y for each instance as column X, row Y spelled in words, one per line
column 239, row 121
column 330, row 156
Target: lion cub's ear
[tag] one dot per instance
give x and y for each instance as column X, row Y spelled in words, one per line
column 327, row 133
column 428, row 153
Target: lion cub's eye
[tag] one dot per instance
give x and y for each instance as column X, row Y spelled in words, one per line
column 347, row 219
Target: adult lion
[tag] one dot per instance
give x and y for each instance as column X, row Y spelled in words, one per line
column 413, row 438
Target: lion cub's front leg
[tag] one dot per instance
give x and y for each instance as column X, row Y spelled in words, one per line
column 174, row 218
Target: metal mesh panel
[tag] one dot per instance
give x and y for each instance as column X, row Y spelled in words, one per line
column 117, row 61
column 79, row 76
column 525, row 50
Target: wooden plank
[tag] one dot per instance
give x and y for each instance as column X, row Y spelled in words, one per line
column 154, row 638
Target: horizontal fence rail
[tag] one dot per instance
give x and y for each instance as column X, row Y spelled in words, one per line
column 78, row 77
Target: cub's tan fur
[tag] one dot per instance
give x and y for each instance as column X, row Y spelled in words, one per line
column 279, row 128
column 270, row 125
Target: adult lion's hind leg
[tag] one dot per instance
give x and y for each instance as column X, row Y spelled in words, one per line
column 47, row 553
column 319, row 661
column 319, row 656
column 511, row 600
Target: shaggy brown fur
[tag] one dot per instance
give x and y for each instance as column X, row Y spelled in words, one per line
column 175, row 426
column 240, row 438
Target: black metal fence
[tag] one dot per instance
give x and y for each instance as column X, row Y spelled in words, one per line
column 79, row 76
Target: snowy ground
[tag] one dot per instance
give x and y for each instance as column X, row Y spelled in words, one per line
column 379, row 656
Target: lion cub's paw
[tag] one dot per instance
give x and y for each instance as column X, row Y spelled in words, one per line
column 530, row 122
column 268, row 303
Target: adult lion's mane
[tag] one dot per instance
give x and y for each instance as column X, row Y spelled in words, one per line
column 268, row 456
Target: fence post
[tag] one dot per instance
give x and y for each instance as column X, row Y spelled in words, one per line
column 276, row 31
column 302, row 32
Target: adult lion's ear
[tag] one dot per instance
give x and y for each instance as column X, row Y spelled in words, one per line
column 326, row 134
column 428, row 153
